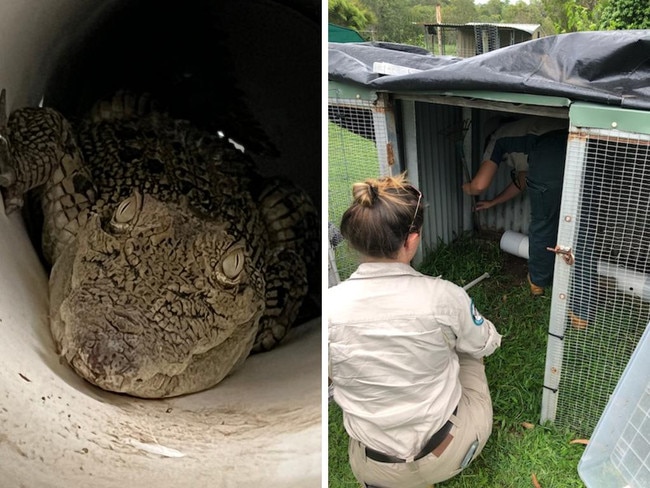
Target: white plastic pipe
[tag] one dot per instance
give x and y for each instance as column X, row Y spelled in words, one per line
column 259, row 427
column 626, row 280
column 514, row 243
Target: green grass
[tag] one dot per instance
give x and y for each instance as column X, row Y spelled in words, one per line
column 515, row 373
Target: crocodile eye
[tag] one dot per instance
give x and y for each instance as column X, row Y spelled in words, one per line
column 126, row 213
column 233, row 263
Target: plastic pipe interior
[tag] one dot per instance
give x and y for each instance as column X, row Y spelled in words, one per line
column 262, row 425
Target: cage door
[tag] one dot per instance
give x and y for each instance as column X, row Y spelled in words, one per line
column 601, row 289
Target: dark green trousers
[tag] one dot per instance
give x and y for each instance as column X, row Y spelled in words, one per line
column 545, row 176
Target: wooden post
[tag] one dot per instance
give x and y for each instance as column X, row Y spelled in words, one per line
column 441, row 48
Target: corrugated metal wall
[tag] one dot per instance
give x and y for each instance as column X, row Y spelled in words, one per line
column 439, row 131
column 442, row 148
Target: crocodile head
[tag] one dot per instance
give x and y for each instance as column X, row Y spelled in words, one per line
column 154, row 300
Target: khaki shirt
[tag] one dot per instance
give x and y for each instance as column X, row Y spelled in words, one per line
column 393, row 337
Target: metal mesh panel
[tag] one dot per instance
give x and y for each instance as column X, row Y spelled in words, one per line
column 601, row 301
column 465, row 40
column 486, row 38
column 353, row 133
column 451, row 40
column 618, row 453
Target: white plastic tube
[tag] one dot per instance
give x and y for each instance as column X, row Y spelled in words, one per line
column 514, row 243
column 626, row 280
column 259, row 427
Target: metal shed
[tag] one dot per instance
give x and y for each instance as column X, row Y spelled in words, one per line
column 429, row 116
column 472, row 38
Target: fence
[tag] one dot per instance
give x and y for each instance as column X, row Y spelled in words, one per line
column 355, row 132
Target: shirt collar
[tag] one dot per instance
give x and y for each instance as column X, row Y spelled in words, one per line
column 376, row 270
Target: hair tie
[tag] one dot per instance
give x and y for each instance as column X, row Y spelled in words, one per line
column 374, row 194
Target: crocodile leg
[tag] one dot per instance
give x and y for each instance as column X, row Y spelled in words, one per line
column 292, row 224
column 39, row 152
column 286, row 287
column 292, row 218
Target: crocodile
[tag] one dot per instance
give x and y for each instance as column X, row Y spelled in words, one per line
column 172, row 259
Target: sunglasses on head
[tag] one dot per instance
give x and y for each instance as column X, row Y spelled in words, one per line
column 417, row 206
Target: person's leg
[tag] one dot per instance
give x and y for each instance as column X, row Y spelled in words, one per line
column 583, row 294
column 545, row 177
column 542, row 232
column 472, row 423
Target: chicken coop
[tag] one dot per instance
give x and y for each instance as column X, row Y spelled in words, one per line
column 395, row 108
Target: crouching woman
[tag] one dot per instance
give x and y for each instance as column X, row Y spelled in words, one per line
column 405, row 350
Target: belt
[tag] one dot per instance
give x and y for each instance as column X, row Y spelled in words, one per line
column 435, row 441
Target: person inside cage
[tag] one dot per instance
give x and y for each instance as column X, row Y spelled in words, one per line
column 405, row 350
column 535, row 149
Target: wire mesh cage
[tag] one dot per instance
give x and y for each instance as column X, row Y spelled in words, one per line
column 355, row 133
column 601, row 301
column 466, row 40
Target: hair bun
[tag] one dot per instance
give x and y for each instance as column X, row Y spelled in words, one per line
column 365, row 193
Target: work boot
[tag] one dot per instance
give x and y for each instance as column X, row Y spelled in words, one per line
column 534, row 289
column 576, row 322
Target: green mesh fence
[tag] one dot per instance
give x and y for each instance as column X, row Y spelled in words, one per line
column 352, row 157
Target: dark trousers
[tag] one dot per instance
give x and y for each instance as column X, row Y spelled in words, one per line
column 545, row 176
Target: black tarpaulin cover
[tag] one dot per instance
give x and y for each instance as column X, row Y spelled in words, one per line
column 608, row 67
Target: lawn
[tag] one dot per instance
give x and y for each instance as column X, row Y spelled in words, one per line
column 519, row 448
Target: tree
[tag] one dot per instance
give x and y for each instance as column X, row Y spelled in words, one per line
column 625, row 14
column 459, row 12
column 349, row 13
column 517, row 13
column 556, row 11
column 492, row 10
column 392, row 21
column 580, row 17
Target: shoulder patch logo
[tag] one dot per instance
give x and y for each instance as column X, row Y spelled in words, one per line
column 476, row 315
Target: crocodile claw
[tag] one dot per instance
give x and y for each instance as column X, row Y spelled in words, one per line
column 7, row 176
column 3, row 111
column 12, row 201
column 6, row 173
column 7, row 179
